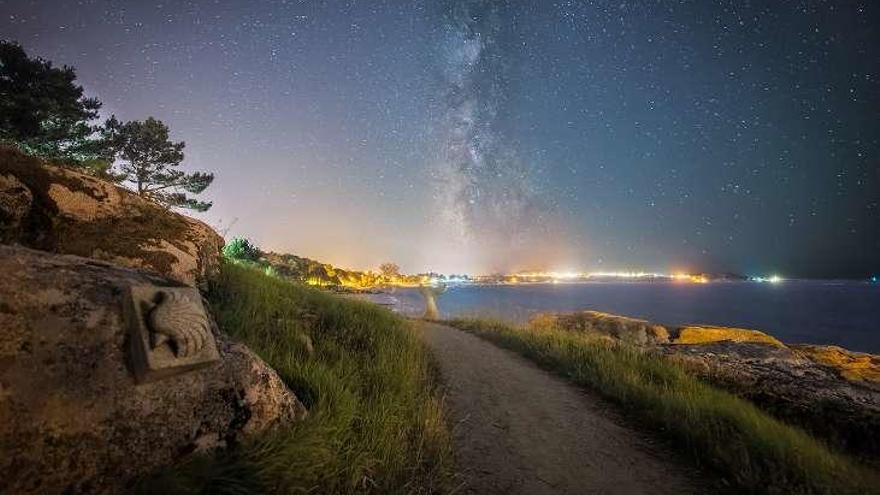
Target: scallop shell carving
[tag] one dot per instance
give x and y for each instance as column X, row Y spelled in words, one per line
column 178, row 320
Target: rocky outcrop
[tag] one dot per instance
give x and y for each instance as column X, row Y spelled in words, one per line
column 63, row 211
column 791, row 386
column 830, row 391
column 72, row 417
column 854, row 366
column 643, row 332
column 629, row 330
column 15, row 203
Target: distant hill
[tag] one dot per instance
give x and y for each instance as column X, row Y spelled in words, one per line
column 314, row 272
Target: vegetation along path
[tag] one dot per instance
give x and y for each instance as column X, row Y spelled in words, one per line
column 520, row 430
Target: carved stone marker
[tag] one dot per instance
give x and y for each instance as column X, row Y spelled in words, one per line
column 169, row 332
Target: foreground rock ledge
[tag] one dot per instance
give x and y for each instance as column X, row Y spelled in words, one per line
column 72, row 419
column 63, row 211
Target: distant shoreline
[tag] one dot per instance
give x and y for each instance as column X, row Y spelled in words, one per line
column 826, row 312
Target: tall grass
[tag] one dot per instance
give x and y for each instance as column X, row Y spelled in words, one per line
column 753, row 451
column 375, row 424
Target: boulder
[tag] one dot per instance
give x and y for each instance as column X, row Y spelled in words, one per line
column 792, row 386
column 60, row 210
column 72, row 417
column 15, row 203
column 629, row 330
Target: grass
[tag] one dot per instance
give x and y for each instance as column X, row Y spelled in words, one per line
column 375, row 422
column 754, row 452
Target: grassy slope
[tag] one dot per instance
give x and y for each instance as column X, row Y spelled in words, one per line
column 374, row 424
column 754, row 452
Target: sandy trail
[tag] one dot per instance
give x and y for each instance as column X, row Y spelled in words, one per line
column 520, row 430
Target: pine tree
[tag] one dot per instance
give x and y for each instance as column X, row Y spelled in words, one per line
column 43, row 111
column 149, row 160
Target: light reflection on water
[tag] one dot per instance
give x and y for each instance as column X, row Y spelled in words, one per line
column 842, row 313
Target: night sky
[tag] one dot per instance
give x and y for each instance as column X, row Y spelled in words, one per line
column 485, row 136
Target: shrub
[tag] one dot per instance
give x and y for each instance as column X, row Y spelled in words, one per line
column 241, row 249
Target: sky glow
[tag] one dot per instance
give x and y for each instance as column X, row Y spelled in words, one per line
column 476, row 136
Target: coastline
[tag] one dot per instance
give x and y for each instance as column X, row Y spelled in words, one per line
column 827, row 390
column 841, row 313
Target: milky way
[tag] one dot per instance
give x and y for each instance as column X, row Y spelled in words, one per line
column 486, row 193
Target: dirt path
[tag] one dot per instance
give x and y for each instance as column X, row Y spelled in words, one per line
column 520, row 430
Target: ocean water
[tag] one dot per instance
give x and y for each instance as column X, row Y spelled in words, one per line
column 843, row 313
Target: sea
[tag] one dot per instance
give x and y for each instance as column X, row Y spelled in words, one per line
column 843, row 313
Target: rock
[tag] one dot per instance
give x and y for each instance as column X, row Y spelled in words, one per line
column 853, row 366
column 15, row 203
column 791, row 386
column 629, row 330
column 544, row 321
column 704, row 334
column 657, row 333
column 64, row 211
column 832, row 392
column 73, row 419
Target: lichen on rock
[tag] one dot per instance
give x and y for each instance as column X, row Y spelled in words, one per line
column 15, row 203
column 70, row 212
column 853, row 366
column 704, row 334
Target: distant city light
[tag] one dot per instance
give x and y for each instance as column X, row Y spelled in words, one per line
column 544, row 277
column 571, row 276
column 625, row 275
column 687, row 277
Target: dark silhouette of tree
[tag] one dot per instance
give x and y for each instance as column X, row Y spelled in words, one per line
column 149, row 160
column 43, row 111
column 389, row 270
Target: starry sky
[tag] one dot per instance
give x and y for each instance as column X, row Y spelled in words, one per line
column 482, row 136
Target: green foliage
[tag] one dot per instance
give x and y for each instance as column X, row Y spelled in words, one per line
column 375, row 423
column 754, row 451
column 241, row 249
column 149, row 160
column 101, row 168
column 314, row 272
column 43, row 111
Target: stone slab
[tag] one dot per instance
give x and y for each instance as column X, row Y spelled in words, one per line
column 169, row 332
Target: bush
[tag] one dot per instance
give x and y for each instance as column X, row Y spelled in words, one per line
column 241, row 249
